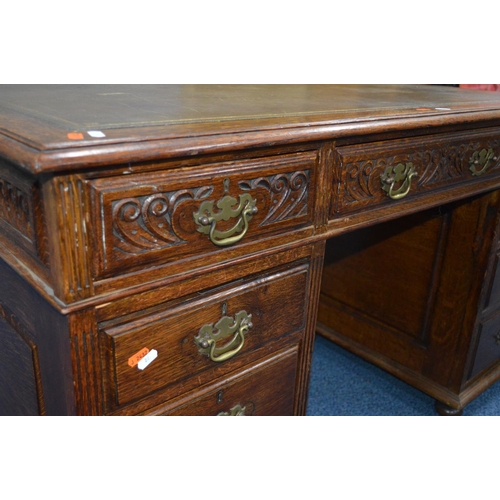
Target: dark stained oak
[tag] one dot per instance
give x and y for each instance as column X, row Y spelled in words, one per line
column 408, row 293
column 145, row 122
column 171, row 332
column 264, row 390
column 133, row 216
column 18, row 373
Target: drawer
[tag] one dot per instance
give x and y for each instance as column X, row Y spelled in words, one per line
column 488, row 348
column 172, row 215
column 384, row 172
column 205, row 337
column 267, row 389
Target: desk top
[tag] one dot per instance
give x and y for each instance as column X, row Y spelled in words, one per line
column 55, row 127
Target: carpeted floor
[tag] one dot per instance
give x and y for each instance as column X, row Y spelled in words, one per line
column 343, row 384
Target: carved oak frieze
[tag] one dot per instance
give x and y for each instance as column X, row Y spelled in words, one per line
column 16, row 208
column 444, row 163
column 148, row 221
column 145, row 223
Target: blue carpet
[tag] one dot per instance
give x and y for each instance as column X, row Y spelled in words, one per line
column 345, row 385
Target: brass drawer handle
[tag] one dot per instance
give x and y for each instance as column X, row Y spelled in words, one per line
column 208, row 336
column 207, row 218
column 482, row 159
column 400, row 174
column 237, row 411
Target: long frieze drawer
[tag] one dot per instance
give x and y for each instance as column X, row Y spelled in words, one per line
column 158, row 217
column 267, row 389
column 207, row 337
column 387, row 171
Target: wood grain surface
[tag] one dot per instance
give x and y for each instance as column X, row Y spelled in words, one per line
column 105, row 250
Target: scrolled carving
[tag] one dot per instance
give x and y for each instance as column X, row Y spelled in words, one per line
column 145, row 223
column 441, row 164
column 288, row 194
column 358, row 176
column 152, row 218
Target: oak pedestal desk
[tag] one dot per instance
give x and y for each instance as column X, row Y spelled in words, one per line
column 173, row 249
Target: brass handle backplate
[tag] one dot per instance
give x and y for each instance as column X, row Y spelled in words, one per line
column 480, row 161
column 236, row 411
column 226, row 327
column 396, row 181
column 207, row 218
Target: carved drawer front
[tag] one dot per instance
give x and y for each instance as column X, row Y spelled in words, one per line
column 194, row 342
column 163, row 216
column 266, row 389
column 488, row 349
column 387, row 171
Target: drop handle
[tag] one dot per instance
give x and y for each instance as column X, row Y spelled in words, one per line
column 481, row 161
column 227, row 208
column 209, row 339
column 401, row 175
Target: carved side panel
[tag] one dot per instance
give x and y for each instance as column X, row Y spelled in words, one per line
column 21, row 217
column 442, row 163
column 16, row 202
column 148, row 218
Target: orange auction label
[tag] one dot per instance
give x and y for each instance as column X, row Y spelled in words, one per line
column 75, row 136
column 134, row 360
